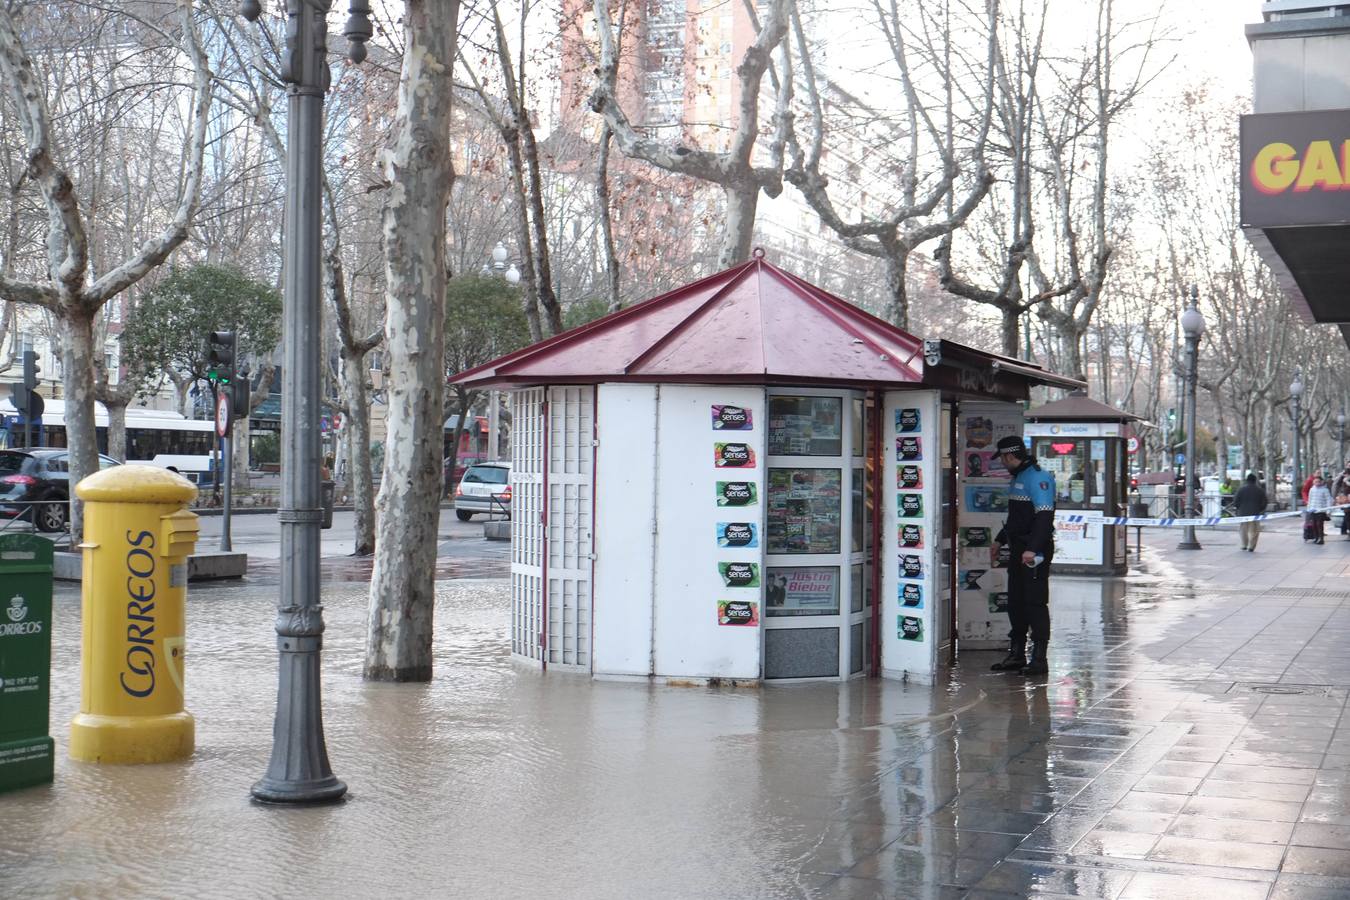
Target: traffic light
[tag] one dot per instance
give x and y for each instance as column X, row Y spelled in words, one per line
column 240, row 397
column 30, row 369
column 1171, row 417
column 220, row 356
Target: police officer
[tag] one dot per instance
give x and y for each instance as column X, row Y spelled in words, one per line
column 1029, row 534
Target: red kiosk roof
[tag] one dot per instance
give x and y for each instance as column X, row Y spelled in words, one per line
column 751, row 323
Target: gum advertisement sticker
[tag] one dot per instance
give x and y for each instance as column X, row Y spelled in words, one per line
column 979, row 431
column 737, row 534
column 909, row 477
column 737, row 612
column 986, row 498
column 998, row 602
column 911, row 595
column 911, row 628
column 908, row 420
column 733, row 456
column 736, row 493
column 908, row 449
column 1001, row 556
column 910, row 505
column 975, row 537
column 911, row 536
column 731, row 418
column 911, row 566
column 739, row 574
column 970, row 579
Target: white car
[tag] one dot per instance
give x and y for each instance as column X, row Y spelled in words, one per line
column 485, row 488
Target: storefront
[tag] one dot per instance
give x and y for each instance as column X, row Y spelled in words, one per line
column 745, row 479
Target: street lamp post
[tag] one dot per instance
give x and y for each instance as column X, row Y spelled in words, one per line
column 512, row 275
column 1193, row 324
column 299, row 771
column 1340, row 436
column 1296, row 392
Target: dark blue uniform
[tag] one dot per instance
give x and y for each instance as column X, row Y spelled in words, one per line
column 1030, row 526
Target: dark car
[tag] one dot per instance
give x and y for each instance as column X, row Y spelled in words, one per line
column 38, row 476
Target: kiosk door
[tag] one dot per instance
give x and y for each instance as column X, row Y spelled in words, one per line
column 817, row 618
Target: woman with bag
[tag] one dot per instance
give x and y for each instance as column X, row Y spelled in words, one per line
column 1319, row 500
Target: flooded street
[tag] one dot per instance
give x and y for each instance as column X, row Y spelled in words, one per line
column 1160, row 757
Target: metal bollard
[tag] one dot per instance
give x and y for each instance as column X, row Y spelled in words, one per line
column 138, row 534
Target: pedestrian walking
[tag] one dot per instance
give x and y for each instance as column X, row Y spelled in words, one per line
column 1250, row 501
column 1341, row 494
column 1319, row 500
column 1029, row 533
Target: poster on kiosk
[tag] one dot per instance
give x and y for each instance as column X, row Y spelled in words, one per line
column 982, row 500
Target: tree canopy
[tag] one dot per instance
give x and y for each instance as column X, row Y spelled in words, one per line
column 170, row 324
column 483, row 320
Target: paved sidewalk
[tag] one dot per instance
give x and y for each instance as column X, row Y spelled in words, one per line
column 1190, row 741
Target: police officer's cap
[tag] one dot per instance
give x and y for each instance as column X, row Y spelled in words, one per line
column 1011, row 444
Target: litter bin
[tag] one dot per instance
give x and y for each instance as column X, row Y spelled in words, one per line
column 26, row 756
column 329, row 495
column 1139, row 511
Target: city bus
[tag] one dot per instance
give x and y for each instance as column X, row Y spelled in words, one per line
column 155, row 437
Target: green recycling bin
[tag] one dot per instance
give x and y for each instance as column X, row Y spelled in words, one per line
column 26, row 748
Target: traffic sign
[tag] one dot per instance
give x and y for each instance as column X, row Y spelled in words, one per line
column 223, row 413
column 1181, row 459
column 1132, row 445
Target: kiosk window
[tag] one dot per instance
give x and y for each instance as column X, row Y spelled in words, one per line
column 804, row 510
column 803, row 591
column 806, row 426
column 1079, row 467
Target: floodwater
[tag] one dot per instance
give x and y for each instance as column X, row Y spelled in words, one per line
column 495, row 781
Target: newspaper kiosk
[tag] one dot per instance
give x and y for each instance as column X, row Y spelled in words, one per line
column 1083, row 442
column 745, row 479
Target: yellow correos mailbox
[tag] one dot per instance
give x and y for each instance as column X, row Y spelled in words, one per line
column 138, row 534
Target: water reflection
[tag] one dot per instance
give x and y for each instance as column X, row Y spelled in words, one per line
column 495, row 780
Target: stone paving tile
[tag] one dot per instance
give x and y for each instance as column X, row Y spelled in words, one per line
column 1028, row 879
column 1269, row 774
column 1312, row 834
column 1133, row 820
column 1310, row 887
column 1105, row 842
column 1229, row 808
column 1217, row 853
column 1146, row 801
column 1317, row 861
column 1160, row 886
column 1255, row 831
column 1167, row 784
column 1254, row 790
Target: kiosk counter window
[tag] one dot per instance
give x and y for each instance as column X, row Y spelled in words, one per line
column 1080, row 470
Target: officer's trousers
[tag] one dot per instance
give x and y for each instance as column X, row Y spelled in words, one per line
column 1028, row 599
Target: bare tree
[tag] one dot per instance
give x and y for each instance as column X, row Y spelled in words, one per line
column 70, row 290
column 939, row 172
column 733, row 170
column 420, row 176
column 1076, row 125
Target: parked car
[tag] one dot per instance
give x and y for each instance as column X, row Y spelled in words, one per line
column 462, row 463
column 39, row 476
column 485, row 488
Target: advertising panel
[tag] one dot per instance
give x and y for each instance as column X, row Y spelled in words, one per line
column 1295, row 168
column 982, row 578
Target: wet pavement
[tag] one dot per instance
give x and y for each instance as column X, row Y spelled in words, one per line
column 1189, row 741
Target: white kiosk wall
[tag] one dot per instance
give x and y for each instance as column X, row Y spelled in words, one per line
column 911, row 444
column 679, row 564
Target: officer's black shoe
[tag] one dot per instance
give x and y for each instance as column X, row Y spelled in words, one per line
column 1037, row 665
column 1014, row 661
